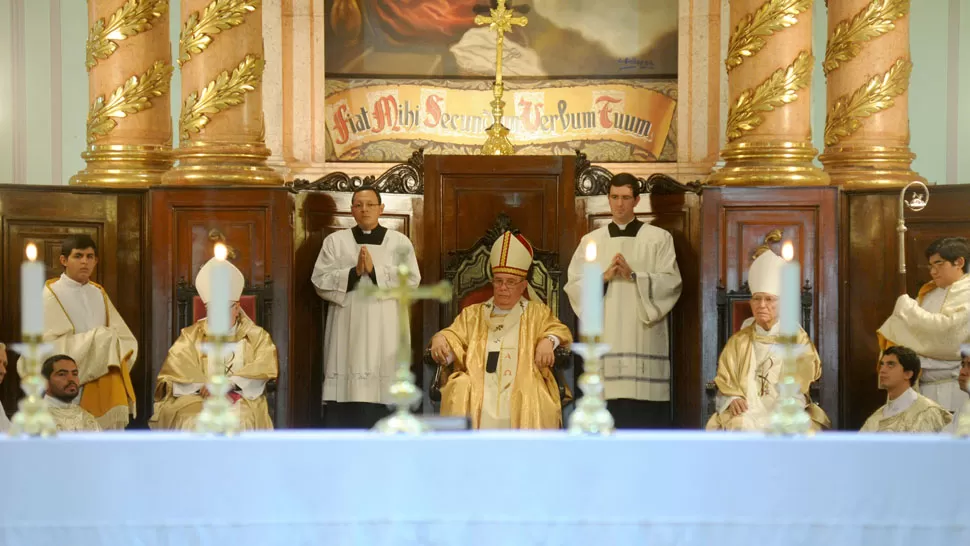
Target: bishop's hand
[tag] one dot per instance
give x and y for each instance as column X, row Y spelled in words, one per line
column 738, row 406
column 440, row 350
column 204, row 392
column 545, row 357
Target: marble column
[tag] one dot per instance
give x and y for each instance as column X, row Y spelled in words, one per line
column 769, row 63
column 221, row 125
column 129, row 62
column 867, row 68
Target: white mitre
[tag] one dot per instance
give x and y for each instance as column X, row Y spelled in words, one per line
column 765, row 274
column 203, row 281
column 512, row 255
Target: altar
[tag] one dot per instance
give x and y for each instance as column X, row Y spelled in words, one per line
column 313, row 488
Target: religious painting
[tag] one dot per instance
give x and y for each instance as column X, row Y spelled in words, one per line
column 562, row 39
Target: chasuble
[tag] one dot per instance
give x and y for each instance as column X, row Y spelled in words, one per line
column 71, row 417
column 495, row 379
column 252, row 362
column 910, row 412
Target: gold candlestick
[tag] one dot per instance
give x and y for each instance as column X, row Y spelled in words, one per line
column 33, row 418
column 789, row 417
column 218, row 415
column 404, row 392
column 591, row 415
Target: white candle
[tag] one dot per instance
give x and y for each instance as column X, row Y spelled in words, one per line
column 218, row 306
column 791, row 292
column 591, row 321
column 33, row 274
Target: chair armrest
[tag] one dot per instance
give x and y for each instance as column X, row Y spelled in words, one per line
column 434, row 391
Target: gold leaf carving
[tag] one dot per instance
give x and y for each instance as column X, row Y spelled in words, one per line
column 846, row 41
column 132, row 97
column 225, row 91
column 779, row 89
column 876, row 95
column 749, row 36
column 219, row 15
column 131, row 18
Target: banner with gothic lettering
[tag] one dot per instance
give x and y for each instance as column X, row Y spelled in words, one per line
column 609, row 120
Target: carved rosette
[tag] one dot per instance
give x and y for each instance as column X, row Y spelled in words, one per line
column 867, row 68
column 769, row 63
column 220, row 126
column 129, row 63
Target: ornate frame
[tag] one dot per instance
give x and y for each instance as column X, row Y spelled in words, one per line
column 595, row 180
column 406, row 178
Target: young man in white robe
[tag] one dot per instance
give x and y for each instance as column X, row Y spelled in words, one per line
column 63, row 383
column 642, row 284
column 80, row 321
column 361, row 334
column 4, row 420
column 905, row 410
column 961, row 419
column 937, row 322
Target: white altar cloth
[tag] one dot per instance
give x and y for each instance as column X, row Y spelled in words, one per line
column 469, row 489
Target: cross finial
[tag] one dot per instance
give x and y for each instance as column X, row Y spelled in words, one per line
column 500, row 20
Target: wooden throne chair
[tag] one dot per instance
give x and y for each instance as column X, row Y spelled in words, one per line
column 471, row 276
column 256, row 302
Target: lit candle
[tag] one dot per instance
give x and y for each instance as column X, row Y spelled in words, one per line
column 32, row 277
column 218, row 306
column 791, row 292
column 591, row 321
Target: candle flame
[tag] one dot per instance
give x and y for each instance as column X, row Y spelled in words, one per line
column 788, row 252
column 31, row 252
column 591, row 252
column 221, row 252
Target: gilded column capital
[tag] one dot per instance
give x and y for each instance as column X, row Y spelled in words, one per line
column 749, row 36
column 778, row 90
column 198, row 31
column 133, row 17
column 846, row 41
column 131, row 97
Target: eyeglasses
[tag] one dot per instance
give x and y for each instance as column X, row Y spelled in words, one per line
column 367, row 206
column 507, row 283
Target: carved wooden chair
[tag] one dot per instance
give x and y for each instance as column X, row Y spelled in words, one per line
column 471, row 276
column 256, row 302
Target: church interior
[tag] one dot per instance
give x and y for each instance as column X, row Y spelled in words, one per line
column 747, row 125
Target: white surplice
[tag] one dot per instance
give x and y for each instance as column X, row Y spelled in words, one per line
column 635, row 326
column 84, row 306
column 938, row 380
column 361, row 337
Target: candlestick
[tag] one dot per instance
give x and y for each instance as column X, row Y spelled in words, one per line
column 218, row 307
column 591, row 415
column 219, row 415
column 591, row 321
column 791, row 298
column 33, row 417
column 789, row 417
column 32, row 277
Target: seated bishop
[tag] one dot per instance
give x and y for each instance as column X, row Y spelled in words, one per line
column 502, row 350
column 749, row 368
column 905, row 410
column 181, row 386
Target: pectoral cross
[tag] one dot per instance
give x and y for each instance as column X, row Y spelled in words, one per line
column 404, row 392
column 500, row 20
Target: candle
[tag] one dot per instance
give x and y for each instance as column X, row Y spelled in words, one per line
column 591, row 321
column 32, row 277
column 791, row 292
column 218, row 306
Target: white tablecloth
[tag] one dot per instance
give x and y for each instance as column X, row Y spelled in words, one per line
column 503, row 489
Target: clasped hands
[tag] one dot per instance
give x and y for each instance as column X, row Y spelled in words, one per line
column 365, row 264
column 441, row 352
column 618, row 268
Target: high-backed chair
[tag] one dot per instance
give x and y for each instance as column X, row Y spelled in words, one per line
column 256, row 302
column 471, row 276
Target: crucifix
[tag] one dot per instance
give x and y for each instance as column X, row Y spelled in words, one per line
column 404, row 392
column 500, row 20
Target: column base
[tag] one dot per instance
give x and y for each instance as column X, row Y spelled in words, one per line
column 219, row 163
column 768, row 164
column 124, row 165
column 862, row 167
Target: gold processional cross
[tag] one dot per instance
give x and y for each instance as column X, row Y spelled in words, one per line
column 500, row 20
column 404, row 392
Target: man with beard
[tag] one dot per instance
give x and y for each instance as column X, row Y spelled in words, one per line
column 63, row 384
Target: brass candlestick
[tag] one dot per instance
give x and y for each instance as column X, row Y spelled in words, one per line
column 591, row 415
column 789, row 417
column 404, row 392
column 218, row 415
column 33, row 418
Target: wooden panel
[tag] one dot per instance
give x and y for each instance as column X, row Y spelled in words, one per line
column 256, row 223
column 735, row 223
column 45, row 215
column 871, row 284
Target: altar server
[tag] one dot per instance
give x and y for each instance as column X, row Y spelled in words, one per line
column 642, row 284
column 749, row 368
column 80, row 321
column 361, row 334
column 503, row 350
column 63, row 384
column 905, row 409
column 181, row 387
column 937, row 322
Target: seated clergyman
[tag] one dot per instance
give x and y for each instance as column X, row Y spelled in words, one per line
column 749, row 368
column 63, row 386
column 905, row 409
column 502, row 350
column 181, row 386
